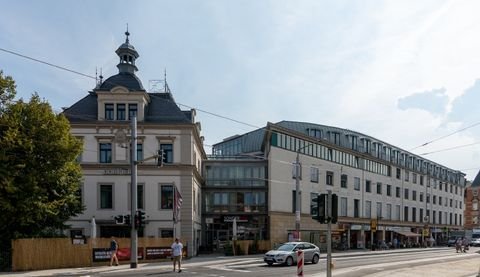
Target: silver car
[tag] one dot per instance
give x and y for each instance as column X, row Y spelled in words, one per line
column 287, row 253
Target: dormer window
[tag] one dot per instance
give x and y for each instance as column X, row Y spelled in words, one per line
column 109, row 112
column 132, row 110
column 121, row 112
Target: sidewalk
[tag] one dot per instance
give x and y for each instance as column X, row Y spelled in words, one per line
column 469, row 267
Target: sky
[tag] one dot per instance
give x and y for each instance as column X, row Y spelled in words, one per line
column 405, row 72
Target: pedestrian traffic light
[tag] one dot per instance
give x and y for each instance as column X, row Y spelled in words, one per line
column 161, row 157
column 127, row 219
column 322, row 208
column 334, row 217
column 118, row 219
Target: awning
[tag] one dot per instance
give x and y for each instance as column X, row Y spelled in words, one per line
column 407, row 233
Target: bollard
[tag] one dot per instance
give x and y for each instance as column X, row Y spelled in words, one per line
column 300, row 263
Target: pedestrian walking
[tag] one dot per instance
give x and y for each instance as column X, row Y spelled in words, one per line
column 113, row 251
column 458, row 244
column 177, row 249
column 464, row 245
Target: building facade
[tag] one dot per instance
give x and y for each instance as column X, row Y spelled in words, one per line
column 411, row 198
column 102, row 120
column 472, row 198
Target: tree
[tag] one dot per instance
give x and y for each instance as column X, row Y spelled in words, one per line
column 39, row 175
column 7, row 90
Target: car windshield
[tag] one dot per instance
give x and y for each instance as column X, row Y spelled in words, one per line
column 286, row 247
column 475, row 236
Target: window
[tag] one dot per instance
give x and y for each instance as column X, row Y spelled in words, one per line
column 399, row 174
column 368, row 186
column 397, row 212
column 414, row 178
column 167, row 152
column 329, row 178
column 414, row 214
column 379, row 210
column 132, row 110
column 434, row 199
column 314, row 174
column 166, row 197
column 407, row 176
column 389, row 190
column 440, row 200
column 139, row 152
column 368, row 209
column 421, row 196
column 379, row 188
column 414, row 195
column 140, row 197
column 421, row 180
column 105, row 153
column 121, row 112
column 109, row 112
column 343, row 181
column 405, row 214
column 356, row 208
column 106, row 196
column 405, row 193
column 343, row 206
column 397, row 192
column 389, row 211
column 356, row 183
column 314, row 204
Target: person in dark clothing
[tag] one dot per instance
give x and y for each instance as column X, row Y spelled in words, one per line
column 113, row 251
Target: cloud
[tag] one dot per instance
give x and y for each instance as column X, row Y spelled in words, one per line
column 434, row 101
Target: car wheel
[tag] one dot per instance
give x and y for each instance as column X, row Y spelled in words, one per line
column 289, row 261
column 270, row 263
column 315, row 259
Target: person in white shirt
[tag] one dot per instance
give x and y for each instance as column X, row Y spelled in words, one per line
column 177, row 249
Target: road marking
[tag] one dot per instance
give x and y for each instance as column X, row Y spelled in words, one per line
column 222, row 267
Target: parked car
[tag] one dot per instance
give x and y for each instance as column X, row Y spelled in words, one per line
column 475, row 242
column 287, row 253
column 451, row 241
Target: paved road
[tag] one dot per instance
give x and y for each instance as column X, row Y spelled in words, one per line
column 437, row 262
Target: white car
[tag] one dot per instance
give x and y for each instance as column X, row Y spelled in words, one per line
column 287, row 253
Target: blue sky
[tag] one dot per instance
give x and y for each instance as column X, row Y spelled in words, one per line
column 405, row 72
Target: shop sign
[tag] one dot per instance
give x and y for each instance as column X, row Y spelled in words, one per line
column 356, row 227
column 158, row 253
column 117, row 171
column 230, row 218
column 208, row 220
column 123, row 254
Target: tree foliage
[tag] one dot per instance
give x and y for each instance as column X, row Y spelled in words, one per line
column 39, row 175
column 7, row 90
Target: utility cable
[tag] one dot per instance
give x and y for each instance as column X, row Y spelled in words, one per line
column 437, row 139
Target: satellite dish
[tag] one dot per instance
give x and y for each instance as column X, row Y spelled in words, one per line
column 121, row 138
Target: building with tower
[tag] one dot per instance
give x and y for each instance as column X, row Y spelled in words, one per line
column 102, row 121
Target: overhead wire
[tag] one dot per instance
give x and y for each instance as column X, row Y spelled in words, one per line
column 446, row 136
column 207, row 112
column 450, row 148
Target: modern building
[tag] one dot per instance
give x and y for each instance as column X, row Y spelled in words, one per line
column 409, row 197
column 102, row 120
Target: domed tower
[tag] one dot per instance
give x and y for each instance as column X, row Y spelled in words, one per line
column 126, row 69
column 128, row 55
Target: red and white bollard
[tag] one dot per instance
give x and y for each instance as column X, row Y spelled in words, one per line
column 300, row 263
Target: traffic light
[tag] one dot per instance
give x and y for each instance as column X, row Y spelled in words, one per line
column 118, row 219
column 314, row 208
column 141, row 215
column 137, row 220
column 161, row 157
column 322, row 208
column 334, row 209
column 127, row 219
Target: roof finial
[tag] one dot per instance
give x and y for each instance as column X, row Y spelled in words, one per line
column 127, row 34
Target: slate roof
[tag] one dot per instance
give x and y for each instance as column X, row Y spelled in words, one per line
column 476, row 181
column 161, row 109
column 124, row 79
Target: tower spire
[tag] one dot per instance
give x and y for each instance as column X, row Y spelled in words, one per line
column 127, row 34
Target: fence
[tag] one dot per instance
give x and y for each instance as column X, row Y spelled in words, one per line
column 48, row 253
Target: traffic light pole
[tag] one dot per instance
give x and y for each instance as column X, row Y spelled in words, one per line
column 133, row 190
column 329, row 234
